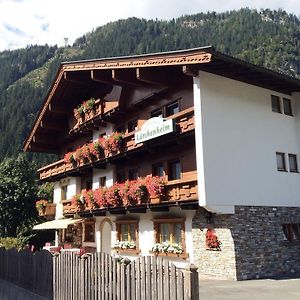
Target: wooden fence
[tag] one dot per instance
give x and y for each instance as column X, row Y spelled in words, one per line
column 30, row 271
column 98, row 276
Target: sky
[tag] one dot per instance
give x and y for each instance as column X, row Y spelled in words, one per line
column 29, row 22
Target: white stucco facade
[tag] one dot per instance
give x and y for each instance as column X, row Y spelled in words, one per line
column 237, row 137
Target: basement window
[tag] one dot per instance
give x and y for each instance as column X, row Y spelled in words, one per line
column 291, row 232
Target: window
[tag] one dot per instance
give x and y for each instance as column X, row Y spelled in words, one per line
column 89, row 232
column 133, row 174
column 64, row 189
column 293, row 163
column 172, row 109
column 280, row 157
column 287, row 107
column 291, row 232
column 132, row 125
column 170, row 230
column 275, row 104
column 158, row 169
column 174, row 169
column 102, row 181
column 157, row 113
column 127, row 231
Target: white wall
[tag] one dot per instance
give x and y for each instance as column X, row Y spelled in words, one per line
column 146, row 232
column 107, row 130
column 108, row 173
column 236, row 141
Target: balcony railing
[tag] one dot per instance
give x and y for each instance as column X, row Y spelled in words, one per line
column 48, row 211
column 184, row 121
column 174, row 192
column 101, row 109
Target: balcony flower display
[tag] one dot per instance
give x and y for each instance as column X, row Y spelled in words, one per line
column 78, row 200
column 86, row 107
column 104, row 146
column 211, row 240
column 40, row 206
column 69, row 158
column 124, row 245
column 96, row 149
column 129, row 193
column 167, row 247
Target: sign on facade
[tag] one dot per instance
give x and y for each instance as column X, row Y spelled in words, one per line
column 154, row 128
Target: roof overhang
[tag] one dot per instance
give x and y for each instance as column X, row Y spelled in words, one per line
column 56, row 224
column 77, row 77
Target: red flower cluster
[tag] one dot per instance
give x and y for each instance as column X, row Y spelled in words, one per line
column 103, row 146
column 212, row 241
column 134, row 192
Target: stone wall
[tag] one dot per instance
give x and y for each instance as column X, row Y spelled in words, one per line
column 253, row 244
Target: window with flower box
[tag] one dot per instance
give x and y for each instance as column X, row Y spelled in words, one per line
column 127, row 236
column 169, row 235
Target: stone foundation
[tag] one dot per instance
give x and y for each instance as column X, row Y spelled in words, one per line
column 253, row 244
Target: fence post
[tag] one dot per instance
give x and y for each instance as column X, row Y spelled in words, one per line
column 194, row 282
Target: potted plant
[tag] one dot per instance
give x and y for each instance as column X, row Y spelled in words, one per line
column 41, row 206
column 211, row 240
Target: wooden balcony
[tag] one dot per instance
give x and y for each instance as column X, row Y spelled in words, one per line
column 184, row 121
column 177, row 192
column 94, row 118
column 48, row 212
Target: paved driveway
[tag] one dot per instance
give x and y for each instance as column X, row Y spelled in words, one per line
column 264, row 289
column 9, row 291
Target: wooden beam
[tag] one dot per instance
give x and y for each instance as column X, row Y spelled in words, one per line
column 46, row 139
column 43, row 148
column 190, row 70
column 155, row 76
column 54, row 125
column 57, row 109
column 126, row 76
column 79, row 77
column 103, row 76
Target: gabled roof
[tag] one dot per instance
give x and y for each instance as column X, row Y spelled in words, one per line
column 77, row 78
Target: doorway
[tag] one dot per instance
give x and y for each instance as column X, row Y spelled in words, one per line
column 105, row 229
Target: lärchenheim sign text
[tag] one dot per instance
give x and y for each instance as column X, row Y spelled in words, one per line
column 154, row 128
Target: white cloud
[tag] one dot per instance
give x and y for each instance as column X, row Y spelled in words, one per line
column 24, row 22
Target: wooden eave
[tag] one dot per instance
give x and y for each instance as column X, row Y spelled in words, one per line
column 75, row 80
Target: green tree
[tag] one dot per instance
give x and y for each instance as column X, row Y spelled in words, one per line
column 18, row 190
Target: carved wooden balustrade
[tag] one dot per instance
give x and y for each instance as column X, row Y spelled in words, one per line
column 174, row 192
column 49, row 211
column 101, row 108
column 184, row 120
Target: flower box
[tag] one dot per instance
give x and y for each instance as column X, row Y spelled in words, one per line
column 127, row 251
column 173, row 255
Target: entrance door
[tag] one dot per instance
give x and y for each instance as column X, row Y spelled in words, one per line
column 106, row 236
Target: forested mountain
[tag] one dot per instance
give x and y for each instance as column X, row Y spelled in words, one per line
column 268, row 38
